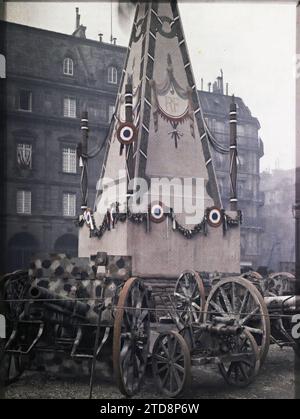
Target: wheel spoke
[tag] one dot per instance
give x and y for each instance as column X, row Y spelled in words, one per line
column 179, row 368
column 160, row 358
column 182, row 297
column 179, row 357
column 171, row 379
column 255, row 331
column 249, row 316
column 218, row 309
column 125, row 350
column 230, row 370
column 244, row 303
column 183, row 289
column 233, row 298
column 195, row 290
column 177, row 378
column 242, row 369
column 143, row 315
column 247, row 363
column 162, row 368
column 135, row 366
column 196, row 306
column 166, row 377
column 165, row 349
column 226, row 301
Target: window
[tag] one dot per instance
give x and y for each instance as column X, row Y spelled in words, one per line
column 69, row 205
column 24, row 156
column 70, row 107
column 25, row 100
column 24, row 202
column 68, row 67
column 111, row 111
column 112, row 75
column 69, row 160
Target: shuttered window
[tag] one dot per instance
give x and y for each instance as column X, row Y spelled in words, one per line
column 69, row 160
column 69, row 205
column 24, row 156
column 24, row 202
column 69, row 107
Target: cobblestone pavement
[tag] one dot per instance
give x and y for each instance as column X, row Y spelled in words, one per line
column 275, row 381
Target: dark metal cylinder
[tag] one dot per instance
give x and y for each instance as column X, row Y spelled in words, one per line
column 74, row 307
column 84, row 160
column 128, row 103
column 220, row 329
column 233, row 156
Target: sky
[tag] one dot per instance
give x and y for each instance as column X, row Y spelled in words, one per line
column 253, row 43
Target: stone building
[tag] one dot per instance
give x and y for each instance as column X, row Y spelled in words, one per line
column 51, row 77
column 215, row 104
column 278, row 238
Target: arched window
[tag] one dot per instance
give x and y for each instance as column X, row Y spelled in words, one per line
column 112, row 75
column 68, row 67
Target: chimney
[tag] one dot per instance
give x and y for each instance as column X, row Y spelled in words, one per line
column 221, row 87
column 209, row 87
column 227, row 89
column 77, row 18
column 79, row 29
column 100, row 37
column 115, row 41
column 202, row 84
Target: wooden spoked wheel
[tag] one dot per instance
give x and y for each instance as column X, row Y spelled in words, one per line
column 238, row 301
column 131, row 337
column 189, row 297
column 241, row 373
column 171, row 363
column 281, row 283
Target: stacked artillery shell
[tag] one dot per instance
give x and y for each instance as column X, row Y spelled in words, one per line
column 71, row 279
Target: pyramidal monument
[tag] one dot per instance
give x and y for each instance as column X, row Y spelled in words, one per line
column 158, row 201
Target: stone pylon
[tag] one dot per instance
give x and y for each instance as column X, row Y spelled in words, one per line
column 158, row 138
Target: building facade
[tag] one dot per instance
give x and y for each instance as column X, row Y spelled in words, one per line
column 51, row 78
column 278, row 238
column 216, row 104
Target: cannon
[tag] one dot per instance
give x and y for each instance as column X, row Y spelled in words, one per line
column 157, row 281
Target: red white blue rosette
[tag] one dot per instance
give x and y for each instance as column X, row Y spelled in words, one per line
column 214, row 217
column 126, row 133
column 157, row 213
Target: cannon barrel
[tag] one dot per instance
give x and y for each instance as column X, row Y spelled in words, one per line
column 73, row 306
column 291, row 303
column 220, row 329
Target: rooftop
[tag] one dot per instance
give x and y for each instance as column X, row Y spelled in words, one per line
column 73, row 37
